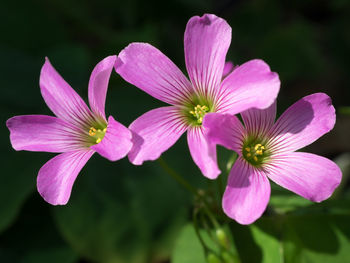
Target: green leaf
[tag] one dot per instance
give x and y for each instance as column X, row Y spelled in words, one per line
column 188, row 249
column 317, row 238
column 122, row 213
column 271, row 247
column 284, row 203
column 319, row 233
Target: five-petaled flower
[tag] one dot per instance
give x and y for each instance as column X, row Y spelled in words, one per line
column 206, row 42
column 77, row 132
column 267, row 150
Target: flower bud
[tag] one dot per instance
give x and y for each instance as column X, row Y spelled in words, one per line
column 228, row 258
column 212, row 258
column 221, row 236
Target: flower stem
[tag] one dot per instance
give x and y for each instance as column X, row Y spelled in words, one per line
column 220, row 186
column 196, row 228
column 344, row 110
column 177, row 177
column 210, row 215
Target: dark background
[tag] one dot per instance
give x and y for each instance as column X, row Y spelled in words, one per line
column 124, row 213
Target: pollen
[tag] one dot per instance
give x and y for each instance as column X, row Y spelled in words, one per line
column 97, row 134
column 199, row 112
column 257, row 146
column 92, row 131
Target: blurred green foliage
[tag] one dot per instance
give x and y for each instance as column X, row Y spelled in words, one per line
column 124, row 213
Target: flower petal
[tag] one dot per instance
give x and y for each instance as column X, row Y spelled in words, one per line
column 228, row 68
column 251, row 85
column 98, row 85
column 247, row 193
column 224, row 129
column 56, row 177
column 302, row 123
column 63, row 101
column 116, row 143
column 154, row 132
column 150, row 70
column 206, row 41
column 203, row 152
column 43, row 133
column 311, row 176
column 259, row 122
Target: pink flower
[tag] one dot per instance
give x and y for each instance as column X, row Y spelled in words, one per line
column 228, row 68
column 267, row 150
column 207, row 39
column 77, row 132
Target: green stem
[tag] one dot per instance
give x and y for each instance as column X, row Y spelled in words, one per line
column 210, row 215
column 190, row 188
column 220, row 186
column 196, row 228
column 177, row 177
column 344, row 110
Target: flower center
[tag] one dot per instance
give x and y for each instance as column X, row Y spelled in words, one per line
column 194, row 109
column 254, row 153
column 199, row 112
column 97, row 134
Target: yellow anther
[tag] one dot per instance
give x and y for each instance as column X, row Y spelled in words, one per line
column 247, row 149
column 92, row 131
column 255, row 158
column 259, row 152
column 257, row 146
column 97, row 134
column 249, row 155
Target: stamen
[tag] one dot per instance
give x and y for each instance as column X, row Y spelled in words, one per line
column 199, row 112
column 254, row 153
column 97, row 134
column 92, row 131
